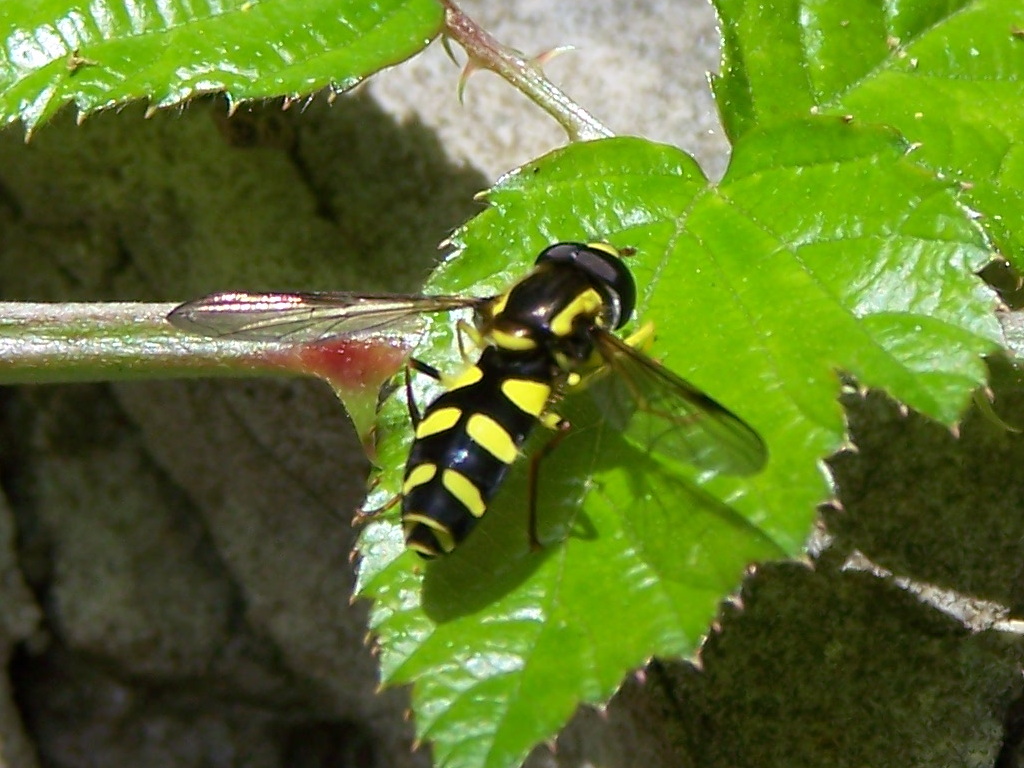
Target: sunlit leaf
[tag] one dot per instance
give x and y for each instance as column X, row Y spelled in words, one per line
column 946, row 74
column 102, row 54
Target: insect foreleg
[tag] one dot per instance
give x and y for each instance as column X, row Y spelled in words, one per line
column 642, row 337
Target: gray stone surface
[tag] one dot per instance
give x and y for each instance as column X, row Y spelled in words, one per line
column 19, row 620
column 640, row 67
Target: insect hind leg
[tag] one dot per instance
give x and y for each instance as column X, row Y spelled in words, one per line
column 561, row 426
column 362, row 514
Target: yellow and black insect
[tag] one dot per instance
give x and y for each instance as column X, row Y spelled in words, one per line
column 546, row 334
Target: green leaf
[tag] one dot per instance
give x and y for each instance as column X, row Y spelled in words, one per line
column 823, row 249
column 103, row 54
column 946, row 74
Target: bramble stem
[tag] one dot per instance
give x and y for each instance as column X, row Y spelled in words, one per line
column 486, row 52
column 50, row 343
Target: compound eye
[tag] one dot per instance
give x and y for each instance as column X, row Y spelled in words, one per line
column 560, row 252
column 607, row 271
column 603, row 262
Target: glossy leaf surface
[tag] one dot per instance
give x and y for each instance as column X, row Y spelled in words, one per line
column 948, row 75
column 102, row 54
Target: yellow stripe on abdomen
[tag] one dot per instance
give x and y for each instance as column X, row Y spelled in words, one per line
column 440, row 420
column 462, row 488
column 492, row 437
column 442, row 535
column 424, row 473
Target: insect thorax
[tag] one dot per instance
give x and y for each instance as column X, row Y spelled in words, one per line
column 553, row 310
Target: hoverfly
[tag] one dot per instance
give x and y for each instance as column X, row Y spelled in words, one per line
column 547, row 333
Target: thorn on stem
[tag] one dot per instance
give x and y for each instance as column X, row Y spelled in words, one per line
column 467, row 71
column 545, row 56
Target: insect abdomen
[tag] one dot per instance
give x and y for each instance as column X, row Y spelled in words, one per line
column 465, row 443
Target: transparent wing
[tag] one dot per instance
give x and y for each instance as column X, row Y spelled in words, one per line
column 665, row 413
column 309, row 317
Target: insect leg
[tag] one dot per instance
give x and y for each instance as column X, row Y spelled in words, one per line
column 419, row 366
column 642, row 337
column 362, row 514
column 415, row 417
column 425, row 368
column 463, row 329
column 562, row 427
